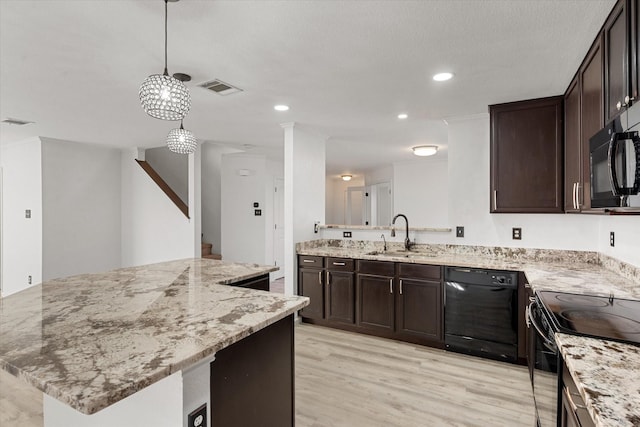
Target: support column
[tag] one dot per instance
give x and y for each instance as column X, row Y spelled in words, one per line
column 304, row 193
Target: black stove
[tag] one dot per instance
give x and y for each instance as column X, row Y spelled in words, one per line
column 590, row 315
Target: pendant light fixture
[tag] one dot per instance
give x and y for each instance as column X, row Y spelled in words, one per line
column 161, row 95
column 181, row 141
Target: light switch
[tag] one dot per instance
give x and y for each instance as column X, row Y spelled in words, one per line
column 27, row 213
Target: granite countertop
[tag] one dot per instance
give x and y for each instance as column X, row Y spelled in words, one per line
column 607, row 374
column 94, row 339
column 553, row 270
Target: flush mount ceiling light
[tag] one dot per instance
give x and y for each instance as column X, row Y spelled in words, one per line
column 281, row 107
column 161, row 95
column 441, row 77
column 346, row 177
column 425, row 150
column 181, row 141
column 403, row 116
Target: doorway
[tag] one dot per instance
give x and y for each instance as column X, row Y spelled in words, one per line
column 278, row 227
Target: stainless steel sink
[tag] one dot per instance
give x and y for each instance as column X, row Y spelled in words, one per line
column 400, row 254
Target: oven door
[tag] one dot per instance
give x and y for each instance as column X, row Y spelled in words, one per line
column 543, row 366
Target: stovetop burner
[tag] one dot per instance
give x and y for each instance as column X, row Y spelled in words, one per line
column 592, row 315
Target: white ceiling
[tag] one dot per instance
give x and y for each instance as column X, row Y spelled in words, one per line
column 346, row 68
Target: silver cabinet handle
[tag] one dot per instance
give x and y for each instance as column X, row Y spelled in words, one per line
column 400, row 286
column 573, row 404
column 320, row 277
column 390, row 286
column 578, row 195
column 619, row 105
column 339, row 263
column 308, row 260
column 573, row 196
column 627, row 100
column 328, row 278
column 495, row 199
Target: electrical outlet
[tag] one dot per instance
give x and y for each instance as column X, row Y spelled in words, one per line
column 346, row 234
column 459, row 231
column 27, row 213
column 612, row 238
column 257, row 212
column 516, row 233
column 198, row 418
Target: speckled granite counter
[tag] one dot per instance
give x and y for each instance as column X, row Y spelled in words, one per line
column 557, row 270
column 607, row 375
column 92, row 340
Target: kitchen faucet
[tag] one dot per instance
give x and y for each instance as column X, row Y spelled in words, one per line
column 407, row 242
column 385, row 242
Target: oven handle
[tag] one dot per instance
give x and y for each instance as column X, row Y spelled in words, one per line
column 531, row 321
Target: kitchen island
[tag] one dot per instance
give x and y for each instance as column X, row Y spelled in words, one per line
column 136, row 341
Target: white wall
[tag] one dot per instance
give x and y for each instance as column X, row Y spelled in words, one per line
column 81, row 208
column 378, row 175
column 21, row 237
column 335, row 193
column 304, row 175
column 211, row 193
column 243, row 233
column 172, row 167
column 153, row 228
column 627, row 238
column 421, row 191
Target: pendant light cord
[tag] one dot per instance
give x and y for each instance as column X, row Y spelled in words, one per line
column 166, row 2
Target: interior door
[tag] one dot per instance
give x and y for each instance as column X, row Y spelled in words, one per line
column 278, row 227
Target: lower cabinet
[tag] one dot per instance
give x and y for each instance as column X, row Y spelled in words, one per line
column 573, row 412
column 393, row 300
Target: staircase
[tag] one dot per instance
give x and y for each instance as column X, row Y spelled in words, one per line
column 206, row 252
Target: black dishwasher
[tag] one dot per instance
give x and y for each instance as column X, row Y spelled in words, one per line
column 481, row 312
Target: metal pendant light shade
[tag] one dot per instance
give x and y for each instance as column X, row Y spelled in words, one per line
column 181, row 141
column 162, row 96
column 165, row 97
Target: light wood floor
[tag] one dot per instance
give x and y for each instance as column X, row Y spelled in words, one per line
column 347, row 379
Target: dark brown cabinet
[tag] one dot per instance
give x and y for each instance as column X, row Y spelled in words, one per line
column 340, row 291
column 376, row 295
column 526, row 156
column 572, row 145
column 311, row 284
column 573, row 412
column 419, row 303
column 616, row 60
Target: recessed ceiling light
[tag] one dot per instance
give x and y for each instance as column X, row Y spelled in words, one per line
column 441, row 77
column 346, row 177
column 425, row 150
column 281, row 107
column 403, row 116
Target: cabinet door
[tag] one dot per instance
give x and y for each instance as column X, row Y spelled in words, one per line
column 591, row 114
column 616, row 84
column 311, row 283
column 572, row 146
column 340, row 298
column 419, row 309
column 526, row 156
column 375, row 302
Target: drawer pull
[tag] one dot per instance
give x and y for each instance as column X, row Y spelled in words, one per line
column 328, row 278
column 309, row 260
column 339, row 263
column 400, row 286
column 320, row 277
column 574, row 406
column 390, row 286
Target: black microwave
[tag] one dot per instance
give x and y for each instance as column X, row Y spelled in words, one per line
column 615, row 167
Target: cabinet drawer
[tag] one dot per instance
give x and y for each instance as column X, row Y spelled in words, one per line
column 339, row 264
column 419, row 271
column 306, row 261
column 380, row 268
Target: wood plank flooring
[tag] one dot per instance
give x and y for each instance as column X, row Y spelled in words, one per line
column 353, row 380
column 347, row 379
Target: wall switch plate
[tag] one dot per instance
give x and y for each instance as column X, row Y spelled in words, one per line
column 257, row 212
column 516, row 233
column 29, row 280
column 612, row 238
column 346, row 234
column 27, row 213
column 198, row 418
column 256, row 204
column 459, row 231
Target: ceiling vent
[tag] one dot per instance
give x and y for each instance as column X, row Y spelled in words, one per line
column 17, row 122
column 220, row 87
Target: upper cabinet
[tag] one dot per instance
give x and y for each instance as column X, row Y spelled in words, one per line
column 583, row 117
column 526, row 156
column 620, row 38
